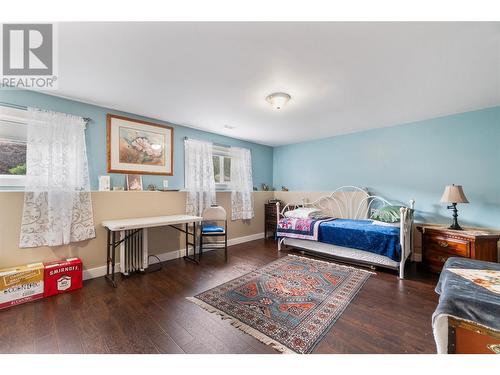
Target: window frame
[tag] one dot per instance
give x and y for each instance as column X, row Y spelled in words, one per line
column 223, row 153
column 216, row 151
column 20, row 116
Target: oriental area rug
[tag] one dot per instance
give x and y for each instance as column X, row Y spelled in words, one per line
column 289, row 304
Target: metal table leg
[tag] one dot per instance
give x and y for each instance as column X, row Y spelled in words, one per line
column 111, row 259
column 193, row 244
column 108, row 250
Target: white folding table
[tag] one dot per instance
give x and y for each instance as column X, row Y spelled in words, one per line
column 133, row 241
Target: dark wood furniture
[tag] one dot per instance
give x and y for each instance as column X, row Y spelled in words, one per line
column 439, row 243
column 471, row 338
column 270, row 219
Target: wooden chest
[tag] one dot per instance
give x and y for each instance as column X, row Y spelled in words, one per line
column 438, row 244
column 470, row 338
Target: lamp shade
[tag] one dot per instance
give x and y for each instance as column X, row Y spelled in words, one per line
column 454, row 194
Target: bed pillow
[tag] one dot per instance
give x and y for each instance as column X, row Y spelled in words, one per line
column 304, row 213
column 381, row 223
column 387, row 214
column 319, row 216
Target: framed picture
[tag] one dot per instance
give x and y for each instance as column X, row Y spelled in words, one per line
column 139, row 147
column 104, row 183
column 134, row 182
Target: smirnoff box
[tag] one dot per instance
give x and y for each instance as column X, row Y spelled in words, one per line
column 21, row 284
column 62, row 276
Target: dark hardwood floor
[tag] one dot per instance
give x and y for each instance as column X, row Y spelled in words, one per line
column 149, row 313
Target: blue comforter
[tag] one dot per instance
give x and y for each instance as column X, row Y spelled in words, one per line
column 465, row 299
column 362, row 235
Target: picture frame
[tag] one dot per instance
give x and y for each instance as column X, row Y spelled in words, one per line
column 134, row 182
column 139, row 147
column 104, row 183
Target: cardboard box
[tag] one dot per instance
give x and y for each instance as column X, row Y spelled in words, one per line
column 62, row 276
column 21, row 284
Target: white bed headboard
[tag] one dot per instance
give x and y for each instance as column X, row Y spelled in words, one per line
column 352, row 202
column 346, row 202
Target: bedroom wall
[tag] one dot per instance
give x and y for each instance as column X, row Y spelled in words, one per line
column 118, row 205
column 408, row 161
column 262, row 156
column 422, row 158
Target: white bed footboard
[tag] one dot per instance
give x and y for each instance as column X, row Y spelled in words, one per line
column 351, row 202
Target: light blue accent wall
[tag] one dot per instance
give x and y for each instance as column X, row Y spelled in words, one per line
column 408, row 161
column 262, row 156
column 414, row 160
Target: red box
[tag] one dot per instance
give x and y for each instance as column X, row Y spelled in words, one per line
column 62, row 276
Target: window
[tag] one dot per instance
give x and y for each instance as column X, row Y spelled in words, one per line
column 222, row 167
column 13, row 133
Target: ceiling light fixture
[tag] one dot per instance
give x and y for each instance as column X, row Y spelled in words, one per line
column 278, row 99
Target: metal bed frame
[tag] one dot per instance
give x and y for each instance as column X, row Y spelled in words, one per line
column 352, row 202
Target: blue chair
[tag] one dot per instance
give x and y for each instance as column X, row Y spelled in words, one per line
column 212, row 217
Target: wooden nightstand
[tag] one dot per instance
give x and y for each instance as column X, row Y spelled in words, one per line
column 270, row 219
column 439, row 243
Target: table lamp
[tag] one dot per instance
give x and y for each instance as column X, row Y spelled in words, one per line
column 454, row 194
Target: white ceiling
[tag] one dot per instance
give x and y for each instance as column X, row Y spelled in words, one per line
column 343, row 77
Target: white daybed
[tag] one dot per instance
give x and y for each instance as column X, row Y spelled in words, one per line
column 351, row 202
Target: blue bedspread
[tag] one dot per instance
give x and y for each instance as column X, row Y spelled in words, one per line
column 362, row 235
column 465, row 299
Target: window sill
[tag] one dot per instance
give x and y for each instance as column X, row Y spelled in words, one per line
column 12, row 182
column 10, row 189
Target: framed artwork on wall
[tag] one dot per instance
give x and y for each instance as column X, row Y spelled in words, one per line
column 139, row 147
column 134, row 182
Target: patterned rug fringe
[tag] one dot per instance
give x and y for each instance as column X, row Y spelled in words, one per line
column 335, row 263
column 242, row 326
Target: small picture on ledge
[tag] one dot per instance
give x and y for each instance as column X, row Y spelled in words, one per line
column 134, row 182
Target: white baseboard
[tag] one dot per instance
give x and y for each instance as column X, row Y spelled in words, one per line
column 238, row 240
column 101, row 271
column 92, row 273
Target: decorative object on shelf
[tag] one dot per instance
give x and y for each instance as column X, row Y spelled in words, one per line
column 151, row 187
column 274, row 201
column 278, row 99
column 165, row 184
column 454, row 194
column 134, row 182
column 284, row 188
column 264, row 187
column 136, row 146
column 255, row 188
column 440, row 243
column 104, row 183
column 118, row 188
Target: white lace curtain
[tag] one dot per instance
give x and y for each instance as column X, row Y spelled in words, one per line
column 200, row 183
column 241, row 184
column 57, row 202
